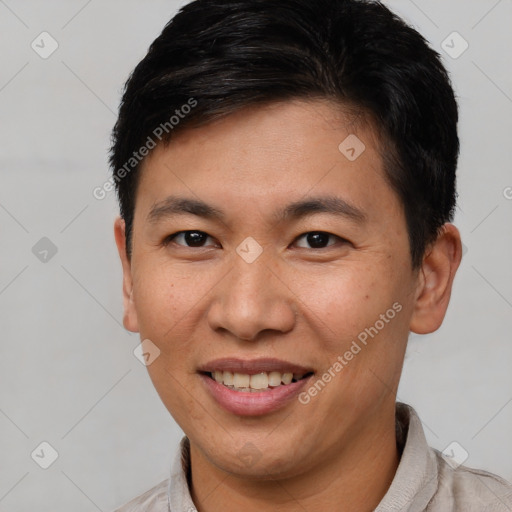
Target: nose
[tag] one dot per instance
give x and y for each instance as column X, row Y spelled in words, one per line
column 252, row 299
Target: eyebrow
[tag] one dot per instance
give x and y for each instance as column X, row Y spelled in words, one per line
column 333, row 205
column 325, row 204
column 173, row 205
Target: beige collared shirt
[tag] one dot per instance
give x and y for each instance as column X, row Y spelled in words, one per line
column 425, row 480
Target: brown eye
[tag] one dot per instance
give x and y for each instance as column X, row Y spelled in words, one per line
column 316, row 240
column 189, row 238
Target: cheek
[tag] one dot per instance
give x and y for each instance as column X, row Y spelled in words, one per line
column 344, row 300
column 344, row 311
column 165, row 300
column 167, row 378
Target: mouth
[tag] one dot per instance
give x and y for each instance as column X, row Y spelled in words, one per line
column 254, row 387
column 255, row 383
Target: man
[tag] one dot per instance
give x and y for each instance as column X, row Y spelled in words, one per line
column 286, row 177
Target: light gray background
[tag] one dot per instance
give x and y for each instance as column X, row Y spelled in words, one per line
column 68, row 373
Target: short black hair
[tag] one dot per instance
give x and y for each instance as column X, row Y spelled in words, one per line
column 216, row 57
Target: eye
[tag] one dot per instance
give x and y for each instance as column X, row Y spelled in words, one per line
column 317, row 240
column 189, row 239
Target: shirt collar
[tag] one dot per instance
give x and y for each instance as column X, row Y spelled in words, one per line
column 416, row 478
column 413, row 486
column 178, row 490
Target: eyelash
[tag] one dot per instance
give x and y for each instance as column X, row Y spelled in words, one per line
column 172, row 237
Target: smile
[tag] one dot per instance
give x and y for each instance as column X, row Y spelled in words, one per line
column 263, row 381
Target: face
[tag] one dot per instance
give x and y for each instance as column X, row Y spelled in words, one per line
column 261, row 249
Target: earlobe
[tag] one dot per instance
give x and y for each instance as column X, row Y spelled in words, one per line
column 130, row 315
column 435, row 280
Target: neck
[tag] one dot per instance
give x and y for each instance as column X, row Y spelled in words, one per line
column 355, row 477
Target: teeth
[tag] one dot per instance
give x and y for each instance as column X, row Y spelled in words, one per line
column 228, row 378
column 286, row 378
column 274, row 379
column 258, row 381
column 241, row 380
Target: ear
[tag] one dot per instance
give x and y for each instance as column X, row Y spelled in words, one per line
column 435, row 279
column 130, row 315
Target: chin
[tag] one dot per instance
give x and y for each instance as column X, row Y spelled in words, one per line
column 264, row 460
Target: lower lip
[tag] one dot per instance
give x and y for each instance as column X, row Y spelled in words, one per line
column 245, row 403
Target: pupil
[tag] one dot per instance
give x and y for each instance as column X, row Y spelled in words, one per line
column 194, row 238
column 317, row 239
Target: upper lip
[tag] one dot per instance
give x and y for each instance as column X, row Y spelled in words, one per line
column 253, row 366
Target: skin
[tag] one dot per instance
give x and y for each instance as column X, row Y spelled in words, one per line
column 295, row 302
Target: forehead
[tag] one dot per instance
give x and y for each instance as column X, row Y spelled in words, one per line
column 263, row 156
